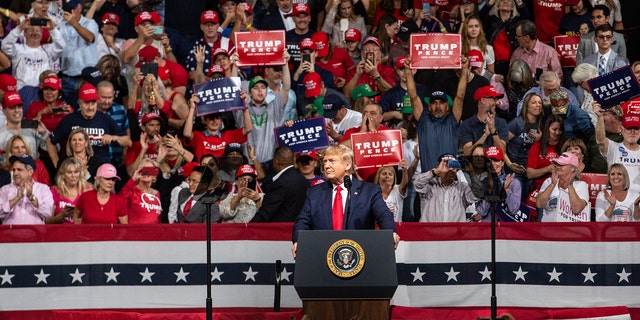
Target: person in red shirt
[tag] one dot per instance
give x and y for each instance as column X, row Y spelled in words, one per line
column 378, row 76
column 335, row 60
column 50, row 109
column 142, row 201
column 101, row 205
column 213, row 140
column 147, row 147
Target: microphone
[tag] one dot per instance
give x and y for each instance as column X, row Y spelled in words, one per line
column 347, row 184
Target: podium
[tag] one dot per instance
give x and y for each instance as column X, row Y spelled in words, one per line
column 348, row 274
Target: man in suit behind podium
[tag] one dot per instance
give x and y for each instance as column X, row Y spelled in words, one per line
column 325, row 207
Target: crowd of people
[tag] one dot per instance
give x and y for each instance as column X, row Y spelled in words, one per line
column 98, row 104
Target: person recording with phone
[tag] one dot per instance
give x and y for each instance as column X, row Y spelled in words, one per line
column 246, row 199
column 143, row 201
column 485, row 127
column 80, row 50
column 33, row 132
column 51, row 107
column 31, row 49
column 442, row 197
column 380, row 77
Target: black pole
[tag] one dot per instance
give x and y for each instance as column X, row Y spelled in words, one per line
column 494, row 299
column 347, row 212
column 276, row 295
column 209, row 299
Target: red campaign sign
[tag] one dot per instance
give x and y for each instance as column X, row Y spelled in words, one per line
column 435, row 51
column 377, row 148
column 597, row 182
column 567, row 47
column 260, row 48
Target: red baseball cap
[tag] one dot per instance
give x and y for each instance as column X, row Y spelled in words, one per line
column 88, row 93
column 220, row 51
column 312, row 84
column 321, row 40
column 300, row 8
column 150, row 116
column 246, row 169
column 111, row 17
column 486, row 91
column 147, row 54
column 631, row 121
column 494, row 153
column 476, row 60
column 217, row 69
column 248, row 9
column 142, row 17
column 400, row 62
column 371, row 39
column 209, row 16
column 11, row 98
column 352, row 34
column 52, row 82
column 307, row 43
column 188, row 168
column 8, row 82
column 311, row 154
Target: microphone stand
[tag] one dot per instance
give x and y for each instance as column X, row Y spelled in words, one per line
column 347, row 212
column 493, row 200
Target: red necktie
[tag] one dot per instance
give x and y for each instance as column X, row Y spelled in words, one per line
column 338, row 211
column 187, row 206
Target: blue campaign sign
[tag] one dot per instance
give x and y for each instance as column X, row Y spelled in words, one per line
column 218, row 95
column 614, row 87
column 304, row 135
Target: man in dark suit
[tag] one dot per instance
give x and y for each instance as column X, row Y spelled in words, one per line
column 605, row 59
column 587, row 45
column 286, row 194
column 191, row 208
column 321, row 213
column 278, row 18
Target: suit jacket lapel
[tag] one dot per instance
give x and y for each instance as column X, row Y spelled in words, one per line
column 327, row 206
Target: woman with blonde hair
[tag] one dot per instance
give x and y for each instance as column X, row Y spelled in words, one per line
column 616, row 202
column 70, row 185
column 17, row 146
column 101, row 205
column 79, row 147
column 393, row 194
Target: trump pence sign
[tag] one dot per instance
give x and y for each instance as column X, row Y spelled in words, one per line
column 260, row 48
column 377, row 148
column 435, row 51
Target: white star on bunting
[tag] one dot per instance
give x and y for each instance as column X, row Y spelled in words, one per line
column 112, row 275
column 554, row 275
column 6, row 277
column 42, row 277
column 417, row 275
column 452, row 275
column 520, row 274
column 146, row 275
column 250, row 274
column 486, row 274
column 624, row 275
column 588, row 276
column 76, row 276
column 181, row 275
column 216, row 274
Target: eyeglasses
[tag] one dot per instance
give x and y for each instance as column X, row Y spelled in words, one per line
column 606, row 38
column 210, row 25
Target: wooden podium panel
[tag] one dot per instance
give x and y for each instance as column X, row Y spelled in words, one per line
column 376, row 309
